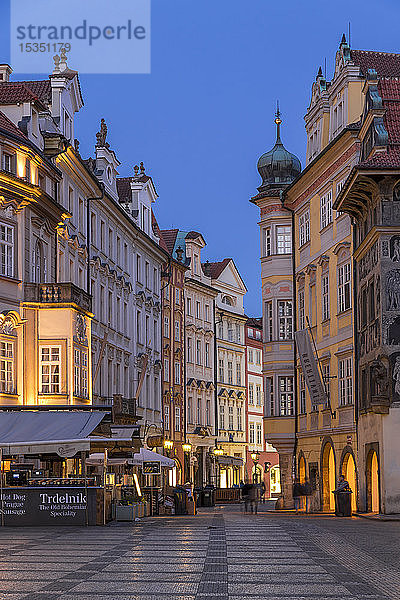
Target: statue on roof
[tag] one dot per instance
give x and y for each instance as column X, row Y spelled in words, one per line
column 102, row 135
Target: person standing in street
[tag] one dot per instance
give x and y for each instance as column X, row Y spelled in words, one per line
column 297, row 494
column 307, row 491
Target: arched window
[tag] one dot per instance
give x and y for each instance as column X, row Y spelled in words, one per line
column 227, row 300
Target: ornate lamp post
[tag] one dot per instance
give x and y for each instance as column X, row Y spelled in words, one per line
column 255, row 455
column 168, row 445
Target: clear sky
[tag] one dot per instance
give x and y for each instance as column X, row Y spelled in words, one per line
column 204, row 115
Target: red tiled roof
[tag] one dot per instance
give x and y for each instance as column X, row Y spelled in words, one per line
column 254, row 322
column 20, row 91
column 192, row 235
column 41, row 89
column 9, row 126
column 389, row 89
column 215, row 268
column 169, row 237
column 158, row 233
column 386, row 64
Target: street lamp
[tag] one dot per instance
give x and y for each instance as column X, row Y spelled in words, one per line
column 186, row 447
column 168, row 445
column 218, row 451
column 255, row 455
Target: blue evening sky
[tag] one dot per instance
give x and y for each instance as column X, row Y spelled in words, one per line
column 204, row 115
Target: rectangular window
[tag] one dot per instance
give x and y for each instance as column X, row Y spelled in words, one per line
column 304, row 228
column 207, row 348
column 258, row 394
column 283, row 240
column 230, row 373
column 126, row 267
column 155, row 335
column 199, row 419
column 50, row 369
column 344, row 287
column 238, row 336
column 7, row 368
column 258, row 357
column 166, row 417
column 138, row 269
column 147, row 331
column 251, row 393
column 250, row 356
column 147, row 275
column 118, row 249
column 197, row 310
column 221, row 416
column 238, row 374
column 267, row 242
column 259, row 434
column 6, row 250
column 189, row 306
column 230, row 332
column 286, row 396
column 207, row 312
column 155, row 281
column 166, row 369
column 285, row 319
column 138, row 328
column 198, row 352
column 177, row 331
column 326, row 375
column 221, row 370
column 177, row 373
column 189, row 350
column 80, row 373
column 190, row 409
column 270, row 392
column 326, row 209
column 325, row 296
column 177, row 296
column 166, row 327
column 345, row 381
column 268, row 322
column 9, row 162
column 302, row 317
column 110, row 243
column 177, row 418
column 251, row 433
column 302, row 389
column 208, row 412
column 230, row 418
column 239, row 418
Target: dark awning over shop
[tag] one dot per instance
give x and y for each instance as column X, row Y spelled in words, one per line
column 231, row 461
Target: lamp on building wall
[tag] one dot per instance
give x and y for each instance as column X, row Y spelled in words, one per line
column 168, row 445
column 186, row 447
column 218, row 451
column 255, row 455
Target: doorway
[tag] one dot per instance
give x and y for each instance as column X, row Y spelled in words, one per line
column 349, row 472
column 328, row 478
column 372, row 482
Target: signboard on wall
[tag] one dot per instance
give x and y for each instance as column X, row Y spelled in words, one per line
column 151, row 467
column 310, row 367
column 44, row 505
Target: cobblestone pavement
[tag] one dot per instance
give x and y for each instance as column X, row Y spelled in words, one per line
column 220, row 554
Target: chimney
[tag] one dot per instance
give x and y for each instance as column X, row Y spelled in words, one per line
column 5, row 72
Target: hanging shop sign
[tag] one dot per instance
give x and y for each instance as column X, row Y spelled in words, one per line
column 152, row 467
column 310, row 367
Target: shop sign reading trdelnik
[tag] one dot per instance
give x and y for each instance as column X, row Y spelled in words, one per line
column 32, row 506
column 310, row 367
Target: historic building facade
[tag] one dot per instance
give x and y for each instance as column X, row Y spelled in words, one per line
column 262, row 460
column 231, row 376
column 371, row 197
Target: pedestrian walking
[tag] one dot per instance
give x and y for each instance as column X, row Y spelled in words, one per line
column 307, row 491
column 245, row 495
column 262, row 491
column 297, row 494
column 254, row 497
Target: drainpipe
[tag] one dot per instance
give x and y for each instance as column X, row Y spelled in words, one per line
column 294, row 288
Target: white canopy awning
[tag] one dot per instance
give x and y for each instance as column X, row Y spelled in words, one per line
column 97, row 459
column 36, row 432
column 145, row 455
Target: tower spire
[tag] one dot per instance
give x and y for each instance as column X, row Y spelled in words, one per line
column 278, row 122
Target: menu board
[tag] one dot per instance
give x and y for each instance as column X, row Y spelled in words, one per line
column 31, row 506
column 151, row 467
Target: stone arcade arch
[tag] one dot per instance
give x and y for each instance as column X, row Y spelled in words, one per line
column 372, row 479
column 328, row 475
column 349, row 470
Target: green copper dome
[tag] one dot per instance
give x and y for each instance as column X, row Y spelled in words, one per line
column 278, row 166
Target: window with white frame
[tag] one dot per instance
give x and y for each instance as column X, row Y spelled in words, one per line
column 286, row 396
column 190, row 409
column 199, row 411
column 325, row 296
column 6, row 250
column 239, row 418
column 326, row 375
column 198, row 314
column 230, row 332
column 221, row 416
column 189, row 306
column 230, row 418
column 7, row 367
column 344, row 287
column 198, row 352
column 258, row 357
column 345, row 381
column 207, row 312
column 326, row 209
column 268, row 321
column 283, row 239
column 230, row 372
column 259, row 433
column 177, row 296
column 50, row 369
column 9, row 162
column 238, row 374
column 267, row 242
column 80, row 372
column 251, row 432
column 301, row 305
column 270, row 391
column 258, row 394
column 177, row 331
column 207, row 354
column 251, row 393
column 304, row 227
column 166, row 327
column 208, row 412
column 166, row 369
column 177, row 418
column 302, row 389
column 166, row 417
column 189, row 350
column 177, row 373
column 285, row 319
column 238, row 336
column 221, row 370
column 250, row 356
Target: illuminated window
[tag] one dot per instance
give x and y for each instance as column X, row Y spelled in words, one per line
column 80, row 372
column 6, row 367
column 283, row 240
column 6, row 250
column 177, row 418
column 166, row 417
column 166, row 327
column 286, row 396
column 285, row 319
column 50, row 369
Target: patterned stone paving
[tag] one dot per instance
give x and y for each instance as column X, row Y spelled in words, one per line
column 221, row 554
